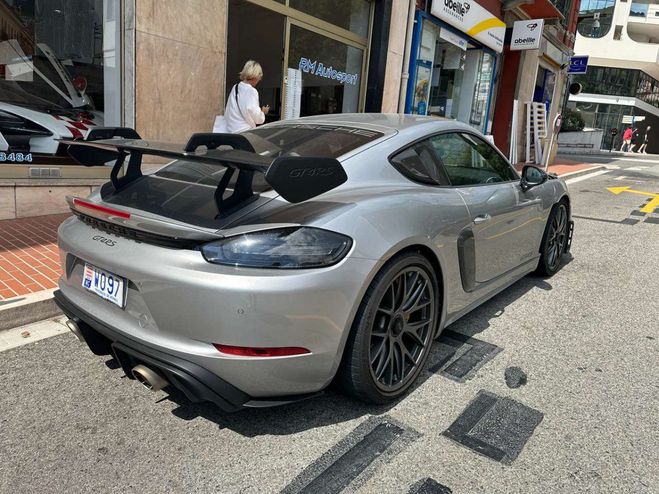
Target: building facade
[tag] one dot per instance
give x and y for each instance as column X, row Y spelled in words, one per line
column 621, row 85
column 536, row 74
column 454, row 53
column 165, row 67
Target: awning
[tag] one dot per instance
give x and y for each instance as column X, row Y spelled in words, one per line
column 541, row 9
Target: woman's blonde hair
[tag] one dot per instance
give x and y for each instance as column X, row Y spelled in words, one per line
column 251, row 70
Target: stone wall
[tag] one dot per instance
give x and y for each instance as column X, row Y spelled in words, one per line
column 180, row 53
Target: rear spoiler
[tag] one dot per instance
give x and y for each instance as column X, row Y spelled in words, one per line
column 295, row 178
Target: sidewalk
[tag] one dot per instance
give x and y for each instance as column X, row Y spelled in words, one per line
column 565, row 167
column 29, row 260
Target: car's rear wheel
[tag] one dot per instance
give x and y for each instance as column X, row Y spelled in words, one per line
column 554, row 240
column 393, row 331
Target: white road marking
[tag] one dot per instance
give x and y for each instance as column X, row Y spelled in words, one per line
column 586, row 177
column 637, row 168
column 613, row 167
column 13, row 338
column 621, row 177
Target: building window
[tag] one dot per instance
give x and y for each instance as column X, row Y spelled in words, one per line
column 595, row 18
column 352, row 15
column 617, row 34
column 60, row 74
column 453, row 77
column 620, row 82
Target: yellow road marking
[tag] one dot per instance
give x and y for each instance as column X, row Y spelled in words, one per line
column 649, row 207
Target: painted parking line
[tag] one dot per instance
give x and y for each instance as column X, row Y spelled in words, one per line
column 16, row 337
column 461, row 356
column 494, row 426
column 586, row 177
column 354, row 459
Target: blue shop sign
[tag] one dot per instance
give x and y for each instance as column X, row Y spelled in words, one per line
column 578, row 65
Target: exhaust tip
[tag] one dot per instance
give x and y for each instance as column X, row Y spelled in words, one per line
column 149, row 378
column 75, row 329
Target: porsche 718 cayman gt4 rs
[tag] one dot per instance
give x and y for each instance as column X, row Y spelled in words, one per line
column 256, row 268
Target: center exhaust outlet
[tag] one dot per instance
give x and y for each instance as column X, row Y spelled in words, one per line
column 149, row 378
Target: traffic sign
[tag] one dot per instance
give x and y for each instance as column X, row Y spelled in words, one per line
column 578, row 64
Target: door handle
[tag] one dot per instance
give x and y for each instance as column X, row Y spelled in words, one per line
column 482, row 218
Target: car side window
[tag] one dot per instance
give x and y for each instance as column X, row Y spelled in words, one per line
column 469, row 160
column 418, row 163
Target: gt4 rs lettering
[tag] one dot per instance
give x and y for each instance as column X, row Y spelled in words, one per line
column 104, row 240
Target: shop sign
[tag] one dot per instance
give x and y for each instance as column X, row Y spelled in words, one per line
column 472, row 19
column 319, row 69
column 578, row 65
column 453, row 38
column 527, row 34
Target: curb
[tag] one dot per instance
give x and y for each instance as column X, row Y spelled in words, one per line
column 27, row 309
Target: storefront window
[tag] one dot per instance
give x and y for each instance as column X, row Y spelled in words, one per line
column 595, row 17
column 59, row 74
column 453, row 77
column 352, row 15
column 620, row 82
column 324, row 75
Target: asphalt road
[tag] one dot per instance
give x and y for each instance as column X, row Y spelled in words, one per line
column 586, row 420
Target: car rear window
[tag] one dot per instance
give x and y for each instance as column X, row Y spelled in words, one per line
column 184, row 190
column 326, row 141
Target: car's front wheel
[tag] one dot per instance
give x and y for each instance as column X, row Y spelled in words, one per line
column 393, row 331
column 554, row 240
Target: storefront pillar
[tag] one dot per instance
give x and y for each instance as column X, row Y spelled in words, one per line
column 503, row 114
column 180, row 52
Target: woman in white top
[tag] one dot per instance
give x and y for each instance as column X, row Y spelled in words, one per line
column 242, row 111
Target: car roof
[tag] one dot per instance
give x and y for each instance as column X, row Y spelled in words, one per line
column 387, row 123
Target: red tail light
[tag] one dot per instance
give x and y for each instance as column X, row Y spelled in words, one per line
column 243, row 351
column 79, row 203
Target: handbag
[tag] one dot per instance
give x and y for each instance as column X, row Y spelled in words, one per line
column 220, row 123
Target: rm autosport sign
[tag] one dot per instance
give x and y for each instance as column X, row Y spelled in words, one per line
column 472, row 19
column 527, row 34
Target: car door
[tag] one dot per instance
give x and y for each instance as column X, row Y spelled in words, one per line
column 498, row 239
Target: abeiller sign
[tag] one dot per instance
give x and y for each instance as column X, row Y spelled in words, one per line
column 472, row 19
column 527, row 34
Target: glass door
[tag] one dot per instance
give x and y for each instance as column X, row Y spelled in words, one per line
column 323, row 73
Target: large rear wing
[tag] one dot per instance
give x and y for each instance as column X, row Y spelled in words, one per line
column 295, row 178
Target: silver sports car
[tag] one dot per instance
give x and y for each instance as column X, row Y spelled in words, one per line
column 256, row 268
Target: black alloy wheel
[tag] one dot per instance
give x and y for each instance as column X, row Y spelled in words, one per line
column 402, row 328
column 393, row 331
column 554, row 240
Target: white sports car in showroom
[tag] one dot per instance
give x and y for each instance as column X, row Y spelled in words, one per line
column 34, row 124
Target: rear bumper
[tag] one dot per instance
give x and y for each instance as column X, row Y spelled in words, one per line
column 194, row 381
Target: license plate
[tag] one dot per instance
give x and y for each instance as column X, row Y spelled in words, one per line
column 105, row 285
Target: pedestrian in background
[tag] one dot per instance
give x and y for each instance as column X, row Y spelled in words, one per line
column 242, row 111
column 626, row 139
column 644, row 145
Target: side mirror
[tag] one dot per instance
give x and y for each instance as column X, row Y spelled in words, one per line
column 532, row 177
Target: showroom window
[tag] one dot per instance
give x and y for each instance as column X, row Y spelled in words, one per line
column 60, row 74
column 453, row 77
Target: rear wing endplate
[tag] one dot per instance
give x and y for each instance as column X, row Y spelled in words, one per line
column 295, row 178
